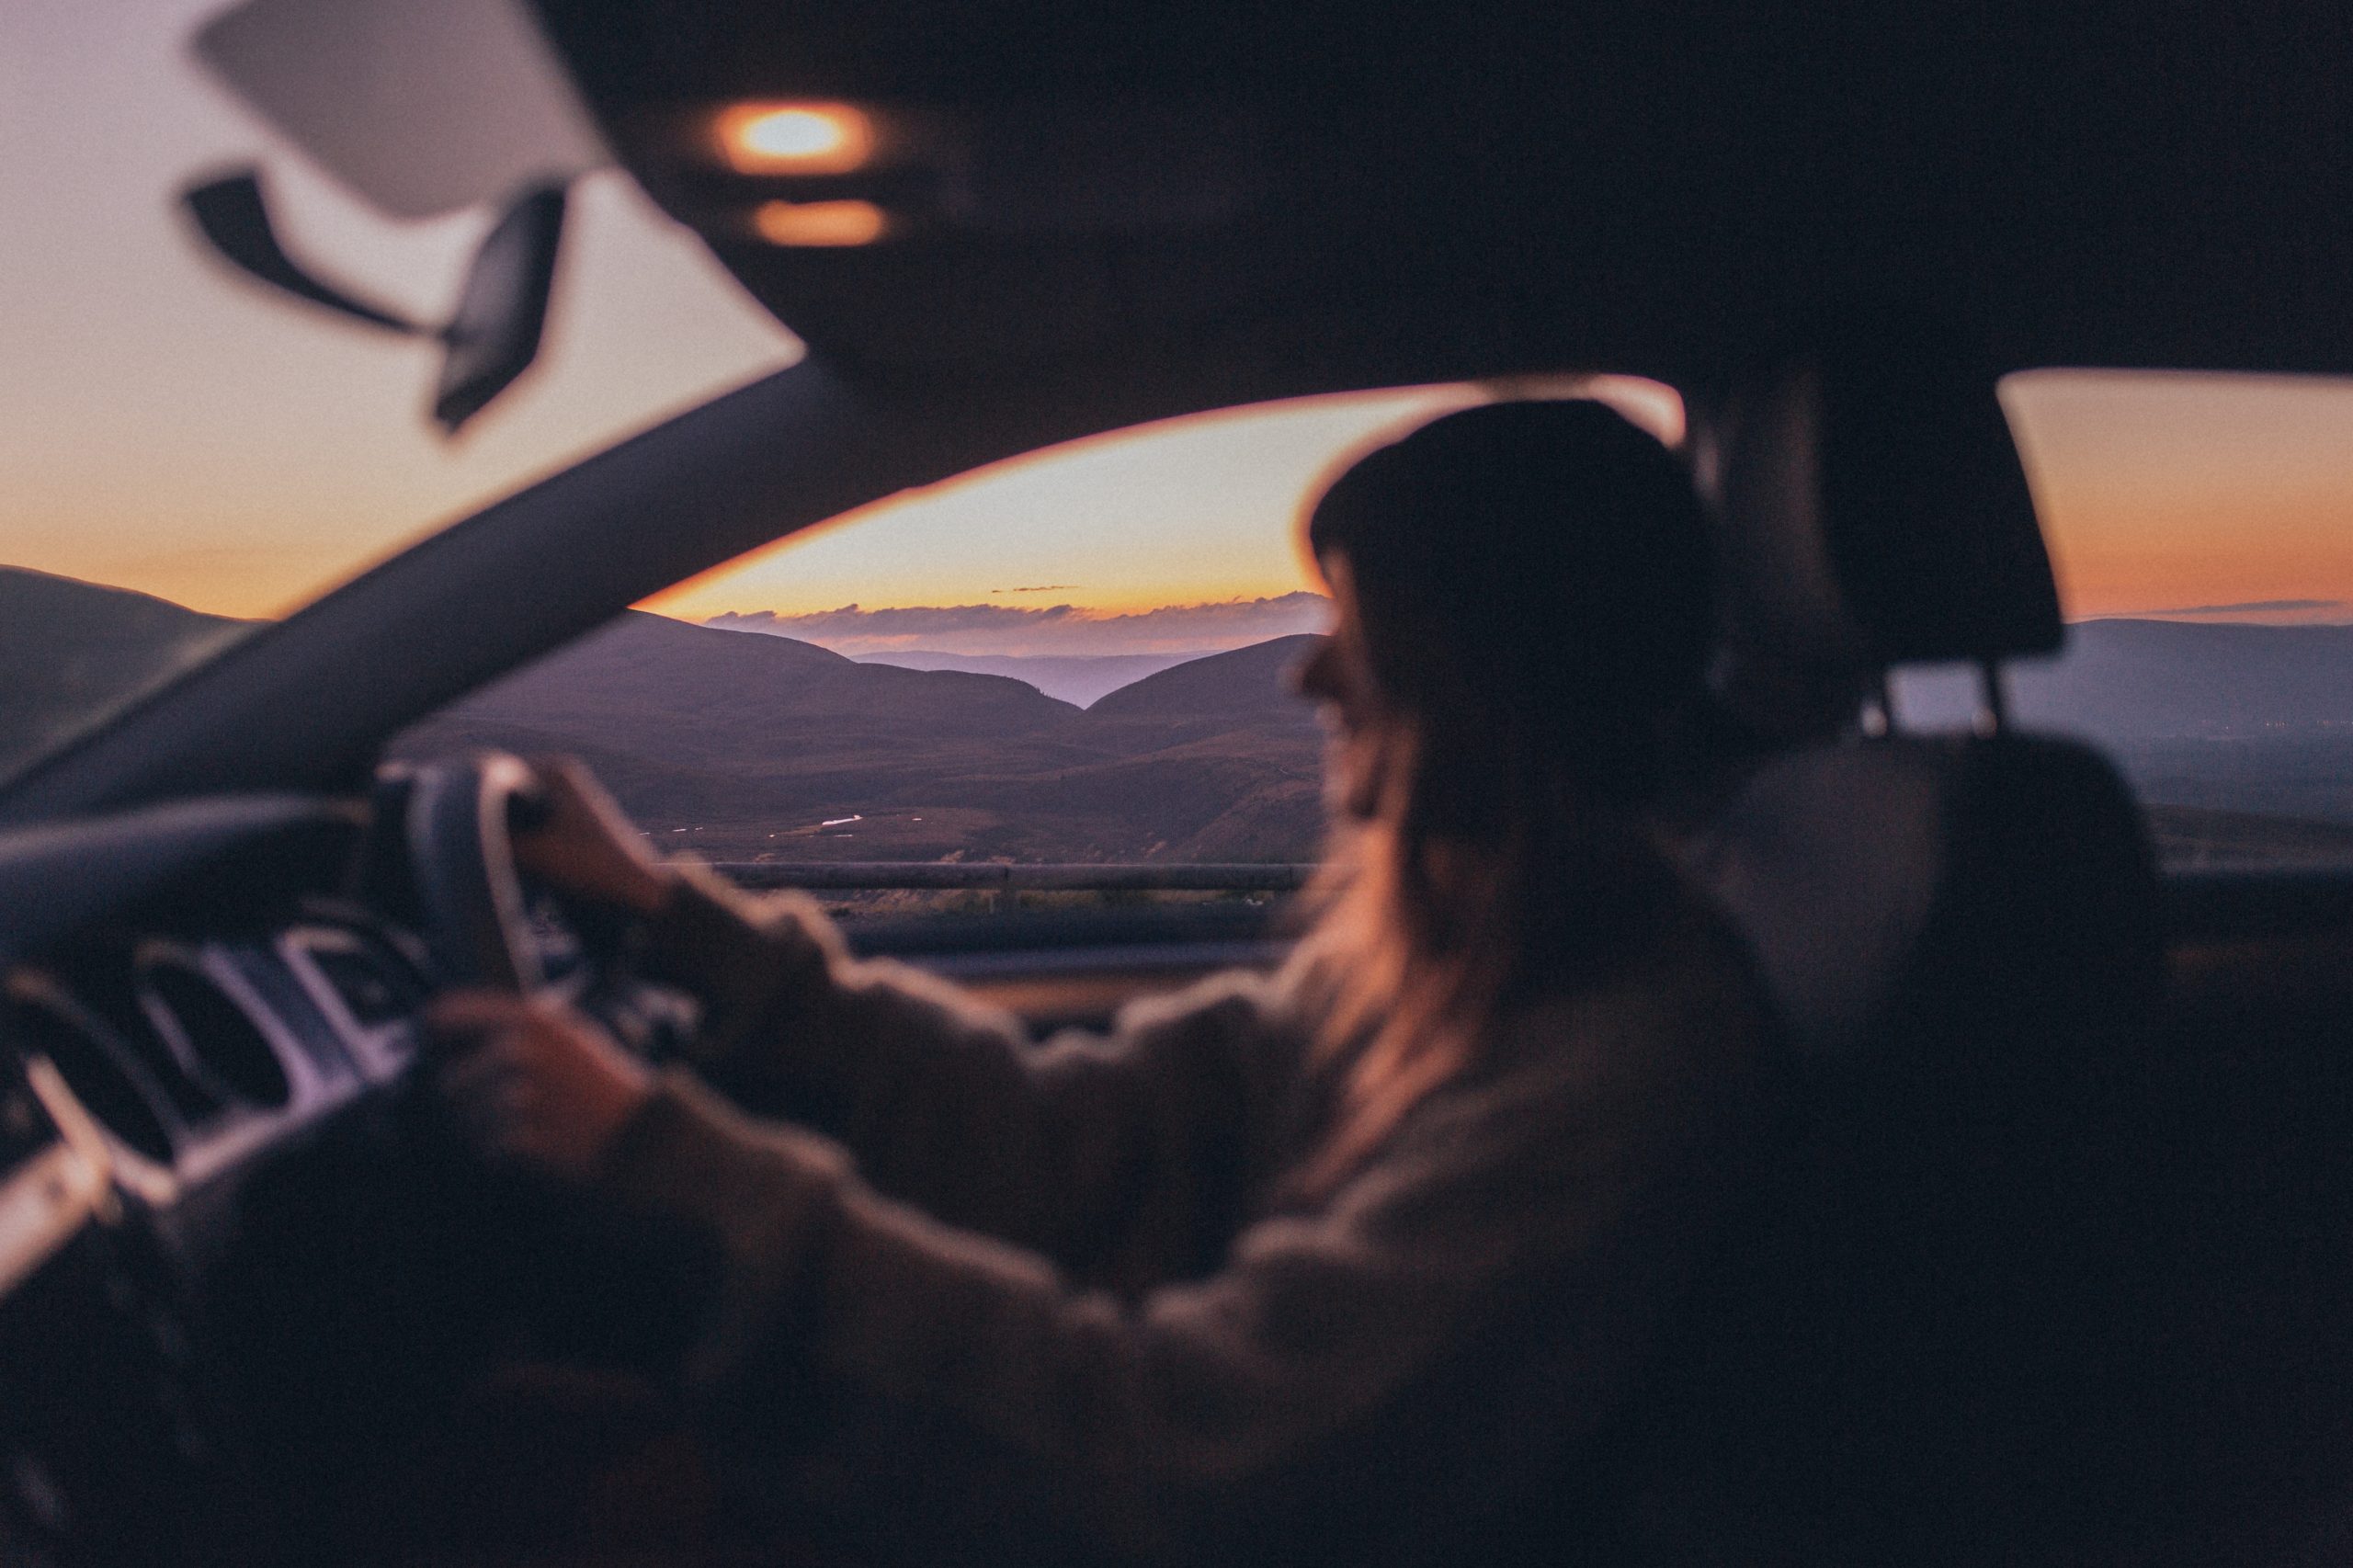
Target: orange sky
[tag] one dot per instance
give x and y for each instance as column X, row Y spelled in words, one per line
column 169, row 427
column 1188, row 511
column 165, row 427
column 2177, row 491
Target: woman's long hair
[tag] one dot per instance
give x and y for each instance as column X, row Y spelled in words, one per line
column 1532, row 587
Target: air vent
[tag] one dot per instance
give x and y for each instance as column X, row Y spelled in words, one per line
column 25, row 1128
column 374, row 983
column 213, row 1031
column 187, row 1098
column 102, row 1071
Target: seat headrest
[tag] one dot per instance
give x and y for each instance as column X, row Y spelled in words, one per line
column 1876, row 512
column 1930, row 526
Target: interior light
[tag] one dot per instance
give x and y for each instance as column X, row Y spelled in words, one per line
column 820, row 222
column 795, row 139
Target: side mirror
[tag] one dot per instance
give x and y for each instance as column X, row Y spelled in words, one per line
column 502, row 312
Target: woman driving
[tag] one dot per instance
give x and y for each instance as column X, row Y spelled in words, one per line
column 1364, row 1261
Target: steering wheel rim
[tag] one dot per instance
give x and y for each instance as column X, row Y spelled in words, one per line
column 459, row 819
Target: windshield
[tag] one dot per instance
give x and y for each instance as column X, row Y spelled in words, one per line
column 225, row 454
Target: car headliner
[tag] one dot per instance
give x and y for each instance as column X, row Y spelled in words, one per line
column 1162, row 208
column 1666, row 188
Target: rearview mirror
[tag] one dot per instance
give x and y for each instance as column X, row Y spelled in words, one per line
column 494, row 332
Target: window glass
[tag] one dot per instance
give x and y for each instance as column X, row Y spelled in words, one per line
column 1081, row 658
column 184, row 454
column 2201, row 529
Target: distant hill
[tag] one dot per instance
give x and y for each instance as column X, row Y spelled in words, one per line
column 1252, row 683
column 693, row 679
column 2229, row 718
column 741, row 744
column 2151, row 680
column 70, row 651
column 1074, row 677
column 691, row 726
column 2131, row 681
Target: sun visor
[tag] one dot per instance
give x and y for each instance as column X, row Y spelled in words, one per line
column 420, row 108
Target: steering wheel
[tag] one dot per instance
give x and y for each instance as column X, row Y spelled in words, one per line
column 535, row 1270
column 461, row 817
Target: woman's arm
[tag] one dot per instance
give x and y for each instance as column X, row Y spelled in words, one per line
column 1581, row 1183
column 1142, row 1138
column 946, row 1105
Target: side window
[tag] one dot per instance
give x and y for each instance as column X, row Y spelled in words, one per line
column 2201, row 527
column 1062, row 683
column 1058, row 683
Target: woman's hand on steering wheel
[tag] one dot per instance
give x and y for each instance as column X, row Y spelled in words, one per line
column 585, row 849
column 534, row 1081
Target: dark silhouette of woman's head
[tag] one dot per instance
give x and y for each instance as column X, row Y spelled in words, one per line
column 1525, row 616
column 1530, row 586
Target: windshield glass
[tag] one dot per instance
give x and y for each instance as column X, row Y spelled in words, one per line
column 186, row 454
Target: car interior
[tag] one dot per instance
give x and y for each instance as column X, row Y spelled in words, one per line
column 2058, row 1270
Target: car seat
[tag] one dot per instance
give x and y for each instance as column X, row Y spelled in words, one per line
column 1902, row 1357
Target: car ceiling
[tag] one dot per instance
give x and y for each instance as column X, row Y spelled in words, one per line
column 1668, row 189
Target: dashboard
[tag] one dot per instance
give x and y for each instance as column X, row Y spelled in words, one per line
column 243, row 1264
column 190, row 1052
column 183, row 989
column 224, row 1247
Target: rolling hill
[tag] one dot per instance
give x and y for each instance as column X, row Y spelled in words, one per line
column 70, row 651
column 1249, row 685
column 1074, row 677
column 745, row 745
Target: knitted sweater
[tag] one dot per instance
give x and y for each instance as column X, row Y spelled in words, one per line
column 979, row 1299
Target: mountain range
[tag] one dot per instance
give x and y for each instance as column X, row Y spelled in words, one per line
column 743, row 745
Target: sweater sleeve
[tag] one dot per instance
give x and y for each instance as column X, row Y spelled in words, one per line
column 1145, row 1137
column 1582, row 1179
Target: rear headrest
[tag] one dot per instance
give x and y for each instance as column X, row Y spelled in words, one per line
column 1876, row 512
column 2047, row 925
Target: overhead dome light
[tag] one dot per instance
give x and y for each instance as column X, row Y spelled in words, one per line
column 820, row 222
column 795, row 138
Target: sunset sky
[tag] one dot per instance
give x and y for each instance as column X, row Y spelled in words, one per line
column 2181, row 494
column 169, row 429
